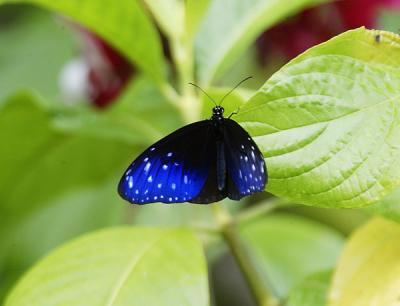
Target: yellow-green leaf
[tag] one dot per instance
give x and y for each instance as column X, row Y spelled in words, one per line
column 368, row 272
column 123, row 266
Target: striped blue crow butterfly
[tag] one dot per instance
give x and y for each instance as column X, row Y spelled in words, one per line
column 202, row 162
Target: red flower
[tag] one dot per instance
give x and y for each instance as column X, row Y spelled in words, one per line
column 109, row 71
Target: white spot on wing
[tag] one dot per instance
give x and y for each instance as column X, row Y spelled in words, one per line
column 146, row 159
column 185, row 179
column 147, row 167
column 253, row 167
column 246, row 158
column 152, row 149
column 130, row 182
column 173, row 186
column 150, row 179
column 159, row 185
column 169, row 154
column 165, row 167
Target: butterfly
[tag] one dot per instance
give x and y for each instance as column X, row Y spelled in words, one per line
column 202, row 162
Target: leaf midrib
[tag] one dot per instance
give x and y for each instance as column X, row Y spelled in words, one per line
column 357, row 111
column 132, row 264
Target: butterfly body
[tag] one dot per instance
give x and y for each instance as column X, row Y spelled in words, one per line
column 202, row 162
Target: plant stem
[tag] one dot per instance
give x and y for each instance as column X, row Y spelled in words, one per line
column 229, row 232
column 169, row 93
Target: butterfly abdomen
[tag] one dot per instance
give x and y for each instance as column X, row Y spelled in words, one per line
column 221, row 165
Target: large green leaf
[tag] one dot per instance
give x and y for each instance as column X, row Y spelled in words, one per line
column 312, row 291
column 287, row 248
column 328, row 122
column 121, row 266
column 368, row 272
column 64, row 218
column 122, row 23
column 230, row 26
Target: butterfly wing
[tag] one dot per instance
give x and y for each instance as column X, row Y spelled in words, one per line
column 246, row 168
column 173, row 170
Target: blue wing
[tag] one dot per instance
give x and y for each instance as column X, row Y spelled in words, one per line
column 246, row 168
column 173, row 170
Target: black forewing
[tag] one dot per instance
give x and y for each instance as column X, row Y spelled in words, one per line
column 246, row 170
column 173, row 170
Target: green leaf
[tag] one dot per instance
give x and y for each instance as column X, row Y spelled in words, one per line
column 368, row 272
column 328, row 122
column 389, row 206
column 120, row 266
column 230, row 26
column 64, row 218
column 37, row 32
column 312, row 291
column 41, row 161
column 123, row 24
column 287, row 249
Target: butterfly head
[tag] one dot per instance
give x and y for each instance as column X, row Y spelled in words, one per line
column 218, row 112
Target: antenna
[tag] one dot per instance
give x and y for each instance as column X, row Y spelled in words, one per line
column 237, row 85
column 204, row 92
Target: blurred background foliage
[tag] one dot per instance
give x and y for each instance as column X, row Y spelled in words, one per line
column 74, row 112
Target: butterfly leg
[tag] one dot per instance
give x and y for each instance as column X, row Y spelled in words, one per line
column 234, row 113
column 221, row 165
